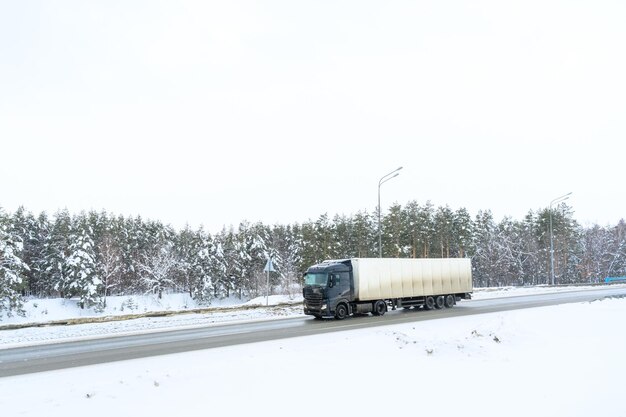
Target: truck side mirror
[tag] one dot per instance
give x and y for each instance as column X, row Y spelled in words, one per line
column 331, row 281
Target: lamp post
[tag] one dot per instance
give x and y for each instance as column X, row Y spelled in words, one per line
column 383, row 180
column 559, row 200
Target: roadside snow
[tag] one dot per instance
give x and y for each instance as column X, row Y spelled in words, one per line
column 562, row 360
column 42, row 311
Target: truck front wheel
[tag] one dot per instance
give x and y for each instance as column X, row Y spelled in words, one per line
column 341, row 312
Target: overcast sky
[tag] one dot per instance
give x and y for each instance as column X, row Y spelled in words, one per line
column 278, row 111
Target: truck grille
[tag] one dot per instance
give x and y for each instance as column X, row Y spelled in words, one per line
column 312, row 298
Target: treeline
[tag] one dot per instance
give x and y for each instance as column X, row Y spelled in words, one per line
column 90, row 256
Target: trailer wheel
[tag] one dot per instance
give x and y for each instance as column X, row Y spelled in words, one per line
column 439, row 302
column 449, row 301
column 380, row 308
column 429, row 303
column 341, row 312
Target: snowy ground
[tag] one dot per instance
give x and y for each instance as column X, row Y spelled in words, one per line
column 50, row 310
column 563, row 360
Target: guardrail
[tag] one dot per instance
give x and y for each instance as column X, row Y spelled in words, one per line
column 609, row 280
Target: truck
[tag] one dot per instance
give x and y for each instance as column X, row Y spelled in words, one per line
column 342, row 287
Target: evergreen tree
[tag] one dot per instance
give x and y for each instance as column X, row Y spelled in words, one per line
column 202, row 289
column 12, row 268
column 318, row 241
column 393, row 227
column 186, row 250
column 617, row 253
column 82, row 278
column 345, row 240
column 56, row 253
column 411, row 229
column 461, row 233
column 219, row 267
column 41, row 284
column 252, row 255
column 23, row 226
column 566, row 247
column 444, row 225
column 228, row 255
column 283, row 243
column 531, row 250
column 486, row 259
column 364, row 235
column 426, row 229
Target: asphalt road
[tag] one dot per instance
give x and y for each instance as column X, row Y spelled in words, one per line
column 24, row 360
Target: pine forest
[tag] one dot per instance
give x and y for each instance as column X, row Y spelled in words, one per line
column 89, row 256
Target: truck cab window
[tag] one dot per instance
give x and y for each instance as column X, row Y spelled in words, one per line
column 316, row 279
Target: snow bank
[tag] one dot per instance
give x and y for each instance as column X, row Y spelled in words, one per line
column 45, row 310
column 553, row 361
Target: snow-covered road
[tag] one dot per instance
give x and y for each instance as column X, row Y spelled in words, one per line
column 564, row 360
column 59, row 309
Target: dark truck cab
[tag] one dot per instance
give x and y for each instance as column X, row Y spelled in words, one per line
column 328, row 289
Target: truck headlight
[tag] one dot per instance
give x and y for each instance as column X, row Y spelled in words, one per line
column 324, row 307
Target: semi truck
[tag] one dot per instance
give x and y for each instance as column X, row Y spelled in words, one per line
column 343, row 287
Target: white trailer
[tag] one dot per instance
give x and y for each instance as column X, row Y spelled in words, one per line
column 372, row 285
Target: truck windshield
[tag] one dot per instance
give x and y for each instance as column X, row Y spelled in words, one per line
column 316, row 279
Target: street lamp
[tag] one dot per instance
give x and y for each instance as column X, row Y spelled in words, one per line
column 559, row 200
column 383, row 180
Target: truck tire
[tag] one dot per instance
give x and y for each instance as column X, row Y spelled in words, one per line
column 450, row 301
column 439, row 302
column 380, row 308
column 341, row 312
column 429, row 303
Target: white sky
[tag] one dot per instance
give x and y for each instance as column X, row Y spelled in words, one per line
column 217, row 112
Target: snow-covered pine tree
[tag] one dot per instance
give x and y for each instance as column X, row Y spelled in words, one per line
column 486, row 259
column 42, row 284
column 461, row 233
column 392, row 230
column 283, row 244
column 83, row 280
column 185, row 251
column 23, row 226
column 364, row 234
column 228, row 256
column 444, row 218
column 12, row 268
column 56, row 252
column 255, row 246
column 243, row 261
column 128, row 237
column 531, row 264
column 201, row 267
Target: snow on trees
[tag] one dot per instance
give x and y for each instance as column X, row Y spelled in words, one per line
column 82, row 279
column 92, row 255
column 193, row 270
column 157, row 268
column 12, row 269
